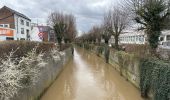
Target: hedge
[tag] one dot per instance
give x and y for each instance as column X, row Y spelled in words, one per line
column 22, row 47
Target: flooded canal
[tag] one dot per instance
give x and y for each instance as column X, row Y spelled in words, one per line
column 88, row 77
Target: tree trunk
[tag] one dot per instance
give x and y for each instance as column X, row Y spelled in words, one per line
column 116, row 42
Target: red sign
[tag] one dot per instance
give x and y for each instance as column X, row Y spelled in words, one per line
column 40, row 35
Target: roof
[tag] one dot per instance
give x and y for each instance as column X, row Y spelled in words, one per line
column 15, row 12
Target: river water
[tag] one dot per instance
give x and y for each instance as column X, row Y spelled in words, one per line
column 88, row 77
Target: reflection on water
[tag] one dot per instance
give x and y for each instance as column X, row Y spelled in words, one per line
column 88, row 77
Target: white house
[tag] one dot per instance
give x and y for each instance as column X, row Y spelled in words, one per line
column 17, row 21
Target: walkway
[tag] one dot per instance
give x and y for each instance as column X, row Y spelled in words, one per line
column 88, row 77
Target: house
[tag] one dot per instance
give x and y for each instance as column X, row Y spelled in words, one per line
column 16, row 21
column 42, row 34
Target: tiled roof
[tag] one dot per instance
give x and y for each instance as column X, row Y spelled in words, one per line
column 17, row 13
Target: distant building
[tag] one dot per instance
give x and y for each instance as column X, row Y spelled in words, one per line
column 136, row 37
column 165, row 38
column 139, row 37
column 42, row 33
column 14, row 20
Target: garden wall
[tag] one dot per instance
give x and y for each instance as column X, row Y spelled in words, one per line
column 47, row 76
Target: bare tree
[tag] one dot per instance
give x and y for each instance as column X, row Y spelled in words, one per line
column 116, row 21
column 64, row 26
column 97, row 33
column 71, row 31
column 57, row 20
column 106, row 35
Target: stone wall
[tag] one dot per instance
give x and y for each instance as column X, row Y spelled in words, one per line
column 47, row 77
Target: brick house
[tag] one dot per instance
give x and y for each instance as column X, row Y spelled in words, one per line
column 12, row 19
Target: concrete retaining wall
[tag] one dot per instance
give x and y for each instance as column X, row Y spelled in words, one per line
column 130, row 71
column 47, row 77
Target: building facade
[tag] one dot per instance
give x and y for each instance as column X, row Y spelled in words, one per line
column 136, row 37
column 14, row 20
column 165, row 38
column 42, row 34
column 139, row 37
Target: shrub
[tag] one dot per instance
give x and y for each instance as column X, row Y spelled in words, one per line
column 20, row 73
column 23, row 47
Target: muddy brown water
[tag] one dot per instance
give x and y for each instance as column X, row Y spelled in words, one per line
column 88, row 77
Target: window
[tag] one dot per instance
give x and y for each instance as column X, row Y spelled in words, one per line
column 28, row 34
column 133, row 38
column 9, row 38
column 22, row 39
column 6, row 25
column 28, row 24
column 140, row 38
column 161, row 39
column 168, row 37
column 137, row 38
column 1, row 25
column 22, row 22
column 22, row 30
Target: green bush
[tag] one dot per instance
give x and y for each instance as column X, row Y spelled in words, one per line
column 155, row 76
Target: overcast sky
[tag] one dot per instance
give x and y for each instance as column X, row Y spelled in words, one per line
column 87, row 12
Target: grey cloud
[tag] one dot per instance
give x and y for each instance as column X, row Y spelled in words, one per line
column 87, row 12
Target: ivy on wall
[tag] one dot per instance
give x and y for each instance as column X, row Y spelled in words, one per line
column 155, row 76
